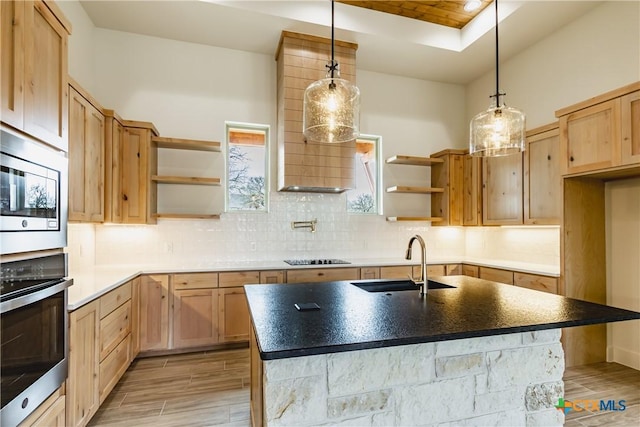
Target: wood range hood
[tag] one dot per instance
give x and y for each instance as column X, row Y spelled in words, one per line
column 310, row 166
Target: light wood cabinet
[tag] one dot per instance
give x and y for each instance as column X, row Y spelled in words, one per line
column 542, row 179
column 272, row 276
column 34, row 70
column 630, row 112
column 322, row 274
column 86, row 157
column 369, row 273
column 496, row 275
column 154, row 312
column 536, row 282
column 51, row 413
column 113, row 366
column 448, row 175
column 472, row 190
column 238, row 278
column 114, row 142
column 139, row 163
column 114, row 328
column 135, row 318
column 194, row 281
column 470, row 270
column 397, row 272
column 453, row 269
column 84, row 362
column 502, row 190
column 195, row 317
column 233, row 315
column 601, row 133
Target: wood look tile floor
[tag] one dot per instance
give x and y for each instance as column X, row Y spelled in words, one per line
column 212, row 388
column 607, row 381
column 195, row 389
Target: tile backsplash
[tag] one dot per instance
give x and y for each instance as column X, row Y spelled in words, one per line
column 269, row 236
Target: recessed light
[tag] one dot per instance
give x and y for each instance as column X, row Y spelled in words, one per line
column 472, row 5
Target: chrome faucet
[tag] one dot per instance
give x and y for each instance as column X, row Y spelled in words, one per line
column 423, row 263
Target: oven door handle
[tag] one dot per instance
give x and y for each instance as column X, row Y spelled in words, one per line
column 27, row 299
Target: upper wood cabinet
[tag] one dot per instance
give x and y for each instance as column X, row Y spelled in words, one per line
column 448, row 175
column 472, row 190
column 542, row 179
column 601, row 133
column 34, row 69
column 630, row 112
column 86, row 157
column 502, row 190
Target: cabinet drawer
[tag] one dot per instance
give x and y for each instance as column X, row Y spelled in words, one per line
column 470, row 270
column 496, row 275
column 538, row 283
column 194, row 280
column 322, row 275
column 114, row 328
column 275, row 276
column 397, row 272
column 113, row 367
column 453, row 269
column 114, row 299
column 434, row 270
column 368, row 273
column 239, row 278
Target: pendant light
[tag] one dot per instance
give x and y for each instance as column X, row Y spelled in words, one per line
column 500, row 130
column 331, row 109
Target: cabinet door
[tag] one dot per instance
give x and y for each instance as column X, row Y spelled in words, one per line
column 272, row 276
column 536, row 282
column 154, row 312
column 630, row 111
column 86, row 160
column 453, row 269
column 234, row 319
column 448, row 204
column 84, row 359
column 502, row 190
column 590, row 138
column 136, row 176
column 542, row 179
column 397, row 272
column 470, row 270
column 12, row 28
column 195, row 317
column 113, row 195
column 472, row 190
column 46, row 91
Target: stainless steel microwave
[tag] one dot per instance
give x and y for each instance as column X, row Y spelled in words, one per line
column 33, row 194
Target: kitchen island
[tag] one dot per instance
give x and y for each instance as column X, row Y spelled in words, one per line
column 481, row 353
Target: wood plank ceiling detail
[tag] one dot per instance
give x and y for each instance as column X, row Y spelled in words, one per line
column 447, row 13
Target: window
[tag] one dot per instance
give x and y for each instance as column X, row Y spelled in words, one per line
column 365, row 198
column 247, row 165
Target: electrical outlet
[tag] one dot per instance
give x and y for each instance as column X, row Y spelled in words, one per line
column 253, row 246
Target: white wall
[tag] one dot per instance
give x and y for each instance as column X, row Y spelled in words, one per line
column 594, row 54
column 622, row 208
column 81, row 44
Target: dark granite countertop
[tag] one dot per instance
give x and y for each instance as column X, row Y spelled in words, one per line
column 350, row 318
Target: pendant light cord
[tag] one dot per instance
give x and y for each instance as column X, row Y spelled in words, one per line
column 498, row 94
column 333, row 62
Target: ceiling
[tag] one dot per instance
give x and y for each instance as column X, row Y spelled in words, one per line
column 448, row 13
column 387, row 43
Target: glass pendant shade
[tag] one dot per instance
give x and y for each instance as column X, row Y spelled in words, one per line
column 498, row 131
column 331, row 111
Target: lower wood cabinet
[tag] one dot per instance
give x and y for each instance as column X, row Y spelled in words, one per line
column 233, row 315
column 51, row 413
column 496, row 275
column 84, row 363
column 195, row 317
column 369, row 273
column 154, row 312
column 536, row 282
column 470, row 270
column 322, row 274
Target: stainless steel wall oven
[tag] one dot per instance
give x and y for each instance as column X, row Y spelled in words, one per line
column 33, row 194
column 33, row 340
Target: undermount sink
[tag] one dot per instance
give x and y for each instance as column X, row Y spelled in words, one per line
column 397, row 285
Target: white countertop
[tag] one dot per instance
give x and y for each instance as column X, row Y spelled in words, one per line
column 94, row 281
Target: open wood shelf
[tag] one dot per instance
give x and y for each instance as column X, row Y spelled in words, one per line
column 188, row 180
column 185, row 144
column 413, row 218
column 412, row 189
column 413, row 160
column 186, row 216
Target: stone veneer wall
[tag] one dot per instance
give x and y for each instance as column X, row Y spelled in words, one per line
column 506, row 380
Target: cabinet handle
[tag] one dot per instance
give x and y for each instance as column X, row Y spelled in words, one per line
column 124, row 197
column 548, row 157
column 571, row 159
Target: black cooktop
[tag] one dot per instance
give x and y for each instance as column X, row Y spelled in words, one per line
column 318, row 261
